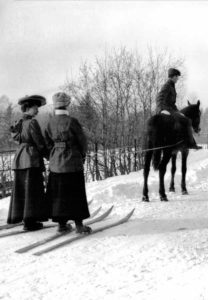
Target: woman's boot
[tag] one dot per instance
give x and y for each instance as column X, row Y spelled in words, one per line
column 64, row 227
column 83, row 229
column 32, row 225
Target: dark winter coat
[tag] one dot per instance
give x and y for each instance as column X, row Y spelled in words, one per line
column 67, row 144
column 32, row 147
column 67, row 194
column 166, row 98
column 28, row 201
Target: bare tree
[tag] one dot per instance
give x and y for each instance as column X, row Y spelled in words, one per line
column 116, row 95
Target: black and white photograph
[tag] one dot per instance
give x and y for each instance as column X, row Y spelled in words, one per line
column 103, row 150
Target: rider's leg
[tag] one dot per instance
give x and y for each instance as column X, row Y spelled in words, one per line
column 188, row 134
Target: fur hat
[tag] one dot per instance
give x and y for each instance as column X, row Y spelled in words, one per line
column 61, row 100
column 173, row 72
column 37, row 99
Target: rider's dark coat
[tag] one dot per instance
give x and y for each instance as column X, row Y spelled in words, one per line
column 166, row 98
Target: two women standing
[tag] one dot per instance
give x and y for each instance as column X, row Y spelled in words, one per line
column 66, row 145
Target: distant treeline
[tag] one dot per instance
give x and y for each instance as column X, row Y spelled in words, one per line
column 112, row 98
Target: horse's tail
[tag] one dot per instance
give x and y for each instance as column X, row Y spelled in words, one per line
column 159, row 131
column 157, row 136
column 156, row 159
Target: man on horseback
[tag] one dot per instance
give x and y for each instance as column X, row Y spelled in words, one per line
column 166, row 104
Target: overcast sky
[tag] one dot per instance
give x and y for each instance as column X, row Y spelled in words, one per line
column 43, row 42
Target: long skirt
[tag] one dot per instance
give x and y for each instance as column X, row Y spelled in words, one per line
column 67, row 194
column 28, row 200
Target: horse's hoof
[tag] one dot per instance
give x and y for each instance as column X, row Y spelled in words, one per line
column 164, row 199
column 172, row 189
column 145, row 199
column 184, row 192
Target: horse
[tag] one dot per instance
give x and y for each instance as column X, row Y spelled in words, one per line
column 163, row 139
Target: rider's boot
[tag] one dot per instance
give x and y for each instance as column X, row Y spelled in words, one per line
column 191, row 143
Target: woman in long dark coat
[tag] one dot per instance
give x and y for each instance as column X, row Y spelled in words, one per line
column 66, row 185
column 28, row 201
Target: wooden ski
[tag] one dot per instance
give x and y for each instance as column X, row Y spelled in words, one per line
column 82, row 236
column 58, row 235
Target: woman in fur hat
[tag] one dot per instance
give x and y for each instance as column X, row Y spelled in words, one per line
column 66, row 185
column 28, row 199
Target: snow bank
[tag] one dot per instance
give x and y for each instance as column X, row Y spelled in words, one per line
column 161, row 253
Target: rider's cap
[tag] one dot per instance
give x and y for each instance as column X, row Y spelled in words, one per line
column 173, row 72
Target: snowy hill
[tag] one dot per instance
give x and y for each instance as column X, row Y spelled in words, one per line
column 161, row 253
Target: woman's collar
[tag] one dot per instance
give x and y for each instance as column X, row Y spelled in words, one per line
column 61, row 112
column 27, row 116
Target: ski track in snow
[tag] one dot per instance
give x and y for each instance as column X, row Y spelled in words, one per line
column 161, row 253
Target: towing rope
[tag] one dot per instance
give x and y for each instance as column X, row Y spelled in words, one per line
column 168, row 146
column 140, row 151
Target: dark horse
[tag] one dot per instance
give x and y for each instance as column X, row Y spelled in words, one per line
column 164, row 138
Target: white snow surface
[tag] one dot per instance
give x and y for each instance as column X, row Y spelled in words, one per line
column 161, row 253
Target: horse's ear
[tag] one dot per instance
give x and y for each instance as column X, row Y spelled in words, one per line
column 198, row 102
column 188, row 102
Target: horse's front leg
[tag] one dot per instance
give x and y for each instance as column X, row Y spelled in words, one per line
column 183, row 171
column 147, row 161
column 173, row 170
column 162, row 171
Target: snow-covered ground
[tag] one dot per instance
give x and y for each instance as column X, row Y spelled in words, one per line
column 161, row 253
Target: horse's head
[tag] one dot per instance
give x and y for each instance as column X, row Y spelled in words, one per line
column 192, row 111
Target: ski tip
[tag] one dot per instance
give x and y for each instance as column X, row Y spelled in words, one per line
column 111, row 207
column 109, row 210
column 18, row 251
column 98, row 209
column 130, row 213
column 94, row 213
column 90, row 202
column 37, row 253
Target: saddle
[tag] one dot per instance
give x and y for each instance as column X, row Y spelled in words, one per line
column 179, row 119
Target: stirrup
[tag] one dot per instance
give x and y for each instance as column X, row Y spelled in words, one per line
column 195, row 147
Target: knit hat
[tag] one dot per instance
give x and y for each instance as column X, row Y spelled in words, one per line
column 173, row 72
column 36, row 99
column 61, row 100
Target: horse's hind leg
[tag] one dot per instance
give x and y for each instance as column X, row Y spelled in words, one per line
column 183, row 171
column 162, row 171
column 147, row 161
column 173, row 170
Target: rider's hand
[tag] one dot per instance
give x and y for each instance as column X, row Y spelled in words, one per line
column 165, row 112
